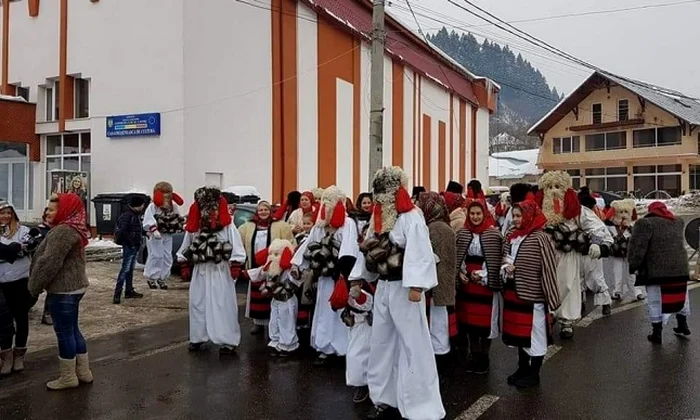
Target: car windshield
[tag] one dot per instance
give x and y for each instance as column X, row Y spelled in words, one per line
column 242, row 216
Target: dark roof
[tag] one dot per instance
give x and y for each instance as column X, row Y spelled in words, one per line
column 675, row 103
column 403, row 44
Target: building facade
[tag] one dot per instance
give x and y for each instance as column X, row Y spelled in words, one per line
column 273, row 94
column 619, row 135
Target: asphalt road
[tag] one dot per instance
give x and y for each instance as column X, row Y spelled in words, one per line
column 609, row 371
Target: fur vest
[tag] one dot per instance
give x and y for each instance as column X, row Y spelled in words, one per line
column 442, row 238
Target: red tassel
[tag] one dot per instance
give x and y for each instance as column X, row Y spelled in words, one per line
column 286, row 259
column 539, row 198
column 338, row 217
column 557, row 206
column 634, row 214
column 610, row 213
column 530, row 197
column 339, row 298
column 261, row 257
column 322, row 212
column 361, row 299
column 403, row 201
column 193, row 218
column 177, row 199
column 377, row 216
column 279, row 214
column 572, row 207
column 224, row 215
column 158, row 198
column 501, row 209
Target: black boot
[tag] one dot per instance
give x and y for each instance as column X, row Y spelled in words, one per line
column 483, row 363
column 606, row 310
column 523, row 366
column 151, row 284
column 532, row 377
column 655, row 336
column 117, row 299
column 682, row 328
column 379, row 412
column 132, row 294
column 194, row 347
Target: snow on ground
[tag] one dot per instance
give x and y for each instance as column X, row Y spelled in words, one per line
column 684, row 205
column 514, row 165
column 96, row 243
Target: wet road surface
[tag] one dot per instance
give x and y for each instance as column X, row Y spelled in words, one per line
column 609, row 371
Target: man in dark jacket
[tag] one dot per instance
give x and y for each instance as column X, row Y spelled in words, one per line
column 656, row 253
column 128, row 234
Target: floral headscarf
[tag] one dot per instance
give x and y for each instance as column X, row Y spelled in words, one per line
column 433, row 207
column 533, row 219
column 486, row 223
column 71, row 212
column 453, row 201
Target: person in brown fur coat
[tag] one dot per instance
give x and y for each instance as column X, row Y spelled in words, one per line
column 443, row 323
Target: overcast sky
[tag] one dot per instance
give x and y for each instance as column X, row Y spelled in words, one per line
column 656, row 45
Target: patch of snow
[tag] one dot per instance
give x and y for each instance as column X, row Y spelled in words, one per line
column 102, row 243
column 12, row 98
column 242, row 190
column 514, row 165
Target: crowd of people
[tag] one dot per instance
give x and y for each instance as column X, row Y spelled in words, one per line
column 391, row 282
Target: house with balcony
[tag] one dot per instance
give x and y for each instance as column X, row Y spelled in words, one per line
column 617, row 134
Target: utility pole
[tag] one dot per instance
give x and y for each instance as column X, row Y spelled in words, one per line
column 376, row 123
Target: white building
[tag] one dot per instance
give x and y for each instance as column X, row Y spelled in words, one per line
column 272, row 93
column 508, row 168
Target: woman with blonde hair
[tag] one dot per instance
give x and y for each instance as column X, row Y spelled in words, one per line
column 14, row 277
column 257, row 235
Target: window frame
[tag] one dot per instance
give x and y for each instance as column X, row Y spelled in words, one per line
column 600, row 113
column 656, row 137
column 619, row 113
column 77, row 82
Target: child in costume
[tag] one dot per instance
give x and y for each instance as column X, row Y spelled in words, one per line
column 161, row 220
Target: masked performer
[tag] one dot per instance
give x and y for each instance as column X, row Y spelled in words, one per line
column 621, row 218
column 161, row 220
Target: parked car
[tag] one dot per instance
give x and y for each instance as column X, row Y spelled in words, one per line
column 244, row 212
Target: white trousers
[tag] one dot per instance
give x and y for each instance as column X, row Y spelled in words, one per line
column 160, row 258
column 283, row 325
column 439, row 329
column 402, row 371
column 357, row 359
column 213, row 305
column 538, row 336
column 594, row 280
column 654, row 305
column 329, row 335
column 569, row 279
column 261, row 322
column 622, row 280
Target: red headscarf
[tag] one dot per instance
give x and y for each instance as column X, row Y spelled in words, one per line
column 658, row 208
column 533, row 219
column 453, row 200
column 310, row 196
column 71, row 212
column 486, row 223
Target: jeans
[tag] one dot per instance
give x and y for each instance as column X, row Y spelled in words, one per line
column 126, row 274
column 18, row 302
column 64, row 310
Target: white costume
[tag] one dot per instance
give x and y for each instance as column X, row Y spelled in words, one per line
column 592, row 268
column 617, row 269
column 213, row 301
column 402, row 371
column 357, row 359
column 160, row 246
column 329, row 335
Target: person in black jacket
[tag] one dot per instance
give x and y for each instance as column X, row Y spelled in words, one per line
column 128, row 234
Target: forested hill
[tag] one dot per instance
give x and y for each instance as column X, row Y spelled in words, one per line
column 525, row 94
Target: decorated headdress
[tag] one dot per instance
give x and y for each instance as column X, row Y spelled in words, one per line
column 390, row 196
column 209, row 212
column 331, row 210
column 277, row 258
column 160, row 190
column 619, row 206
column 558, row 209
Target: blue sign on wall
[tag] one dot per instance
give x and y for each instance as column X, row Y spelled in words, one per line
column 133, row 125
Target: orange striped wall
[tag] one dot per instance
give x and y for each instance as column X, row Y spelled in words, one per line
column 397, row 114
column 442, row 154
column 452, row 137
column 473, row 148
column 462, row 141
column 4, row 84
column 426, row 151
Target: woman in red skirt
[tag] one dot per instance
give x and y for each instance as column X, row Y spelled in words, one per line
column 530, row 291
column 479, row 256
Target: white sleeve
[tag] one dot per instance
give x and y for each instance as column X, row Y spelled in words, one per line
column 349, row 245
column 238, row 253
column 419, row 268
column 360, row 272
column 314, row 236
column 149, row 217
column 594, row 227
column 186, row 242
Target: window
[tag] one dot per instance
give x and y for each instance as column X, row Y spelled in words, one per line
column 607, row 179
column 595, row 142
column 615, row 141
column 48, row 100
column 597, row 111
column 23, row 92
column 566, row 145
column 67, row 152
column 660, row 136
column 56, row 100
column 575, row 177
column 623, row 110
column 694, row 177
column 663, row 177
column 82, row 98
column 667, row 136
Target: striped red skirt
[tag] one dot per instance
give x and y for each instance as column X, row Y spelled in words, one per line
column 475, row 309
column 518, row 316
column 451, row 316
column 673, row 297
column 259, row 305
